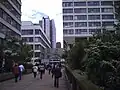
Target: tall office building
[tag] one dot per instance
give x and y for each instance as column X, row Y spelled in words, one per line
column 83, row 18
column 52, row 33
column 35, row 36
column 10, row 18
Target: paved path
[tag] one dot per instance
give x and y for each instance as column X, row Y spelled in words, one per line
column 29, row 83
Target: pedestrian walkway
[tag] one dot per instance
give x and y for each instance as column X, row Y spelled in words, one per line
column 30, row 83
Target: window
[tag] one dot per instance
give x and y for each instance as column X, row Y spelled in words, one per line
column 37, row 54
column 67, row 4
column 93, row 3
column 1, row 12
column 107, row 10
column 108, row 23
column 106, row 3
column 92, row 31
column 37, row 47
column 107, row 16
column 80, row 10
column 67, row 10
column 27, row 32
column 80, row 17
column 94, row 17
column 68, row 17
column 37, row 31
column 116, row 2
column 94, row 24
column 67, row 24
column 93, row 10
column 28, row 39
column 65, row 31
column 80, row 31
column 80, row 24
column 79, row 3
column 70, row 31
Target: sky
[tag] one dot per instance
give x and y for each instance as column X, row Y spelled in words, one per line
column 52, row 8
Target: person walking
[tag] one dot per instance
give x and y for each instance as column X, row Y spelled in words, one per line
column 21, row 71
column 16, row 71
column 57, row 75
column 41, row 69
column 49, row 68
column 35, row 70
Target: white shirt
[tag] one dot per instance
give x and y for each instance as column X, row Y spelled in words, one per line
column 21, row 68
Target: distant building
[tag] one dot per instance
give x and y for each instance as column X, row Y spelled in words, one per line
column 53, row 33
column 58, row 45
column 10, row 19
column 35, row 36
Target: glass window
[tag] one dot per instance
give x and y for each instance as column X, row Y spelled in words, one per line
column 80, row 31
column 108, row 16
column 94, row 17
column 108, row 23
column 80, row 24
column 79, row 3
column 93, row 10
column 94, row 24
column 68, row 17
column 28, row 39
column 106, row 3
column 107, row 10
column 92, row 31
column 70, row 31
column 1, row 12
column 37, row 54
column 68, row 24
column 67, row 10
column 67, row 4
column 80, row 10
column 65, row 31
column 93, row 3
column 116, row 2
column 80, row 17
column 37, row 47
column 27, row 32
column 37, row 31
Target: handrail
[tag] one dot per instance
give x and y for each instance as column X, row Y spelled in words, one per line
column 79, row 82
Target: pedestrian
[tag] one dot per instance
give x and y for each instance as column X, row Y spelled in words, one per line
column 53, row 70
column 16, row 71
column 35, row 70
column 21, row 71
column 57, row 75
column 49, row 68
column 41, row 69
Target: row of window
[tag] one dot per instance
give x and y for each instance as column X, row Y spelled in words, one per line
column 90, row 10
column 16, row 4
column 40, row 55
column 89, row 3
column 90, row 24
column 37, row 32
column 81, row 31
column 9, row 19
column 36, row 39
column 7, row 31
column 90, row 17
column 11, row 9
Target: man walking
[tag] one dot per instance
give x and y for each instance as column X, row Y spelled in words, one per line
column 57, row 75
column 21, row 71
column 16, row 71
column 35, row 70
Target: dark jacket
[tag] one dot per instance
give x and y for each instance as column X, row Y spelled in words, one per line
column 57, row 72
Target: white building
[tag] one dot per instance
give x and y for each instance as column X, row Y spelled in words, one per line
column 35, row 36
column 82, row 18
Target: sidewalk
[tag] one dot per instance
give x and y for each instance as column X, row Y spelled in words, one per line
column 29, row 83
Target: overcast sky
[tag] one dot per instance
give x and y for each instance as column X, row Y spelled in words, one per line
column 52, row 8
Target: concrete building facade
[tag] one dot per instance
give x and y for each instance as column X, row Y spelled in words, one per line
column 35, row 36
column 10, row 18
column 83, row 18
column 52, row 33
